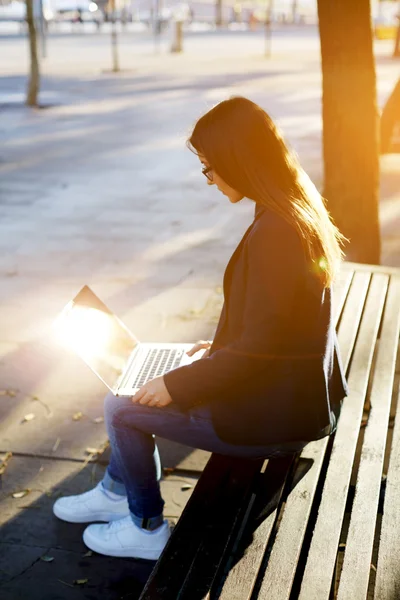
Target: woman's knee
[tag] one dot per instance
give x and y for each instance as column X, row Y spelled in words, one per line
column 114, row 405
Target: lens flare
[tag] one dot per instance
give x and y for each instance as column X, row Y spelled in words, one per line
column 84, row 329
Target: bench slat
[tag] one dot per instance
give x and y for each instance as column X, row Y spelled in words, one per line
column 318, row 573
column 216, row 503
column 241, row 579
column 351, row 315
column 282, row 565
column 340, row 290
column 359, row 545
column 278, row 578
column 387, row 582
column 220, row 529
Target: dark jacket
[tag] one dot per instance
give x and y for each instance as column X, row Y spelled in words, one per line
column 274, row 372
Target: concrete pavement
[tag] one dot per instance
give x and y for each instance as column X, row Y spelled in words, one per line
column 99, row 188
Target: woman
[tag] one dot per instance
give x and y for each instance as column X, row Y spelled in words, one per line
column 271, row 381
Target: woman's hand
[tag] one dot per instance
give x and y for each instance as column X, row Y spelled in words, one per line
column 153, row 393
column 200, row 345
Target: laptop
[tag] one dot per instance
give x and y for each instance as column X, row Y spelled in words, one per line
column 107, row 346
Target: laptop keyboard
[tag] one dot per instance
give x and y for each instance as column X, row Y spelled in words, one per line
column 157, row 362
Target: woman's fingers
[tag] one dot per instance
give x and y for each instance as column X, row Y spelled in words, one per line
column 152, row 402
column 146, row 398
column 200, row 345
column 139, row 395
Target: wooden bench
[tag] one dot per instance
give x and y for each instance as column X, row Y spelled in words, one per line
column 308, row 527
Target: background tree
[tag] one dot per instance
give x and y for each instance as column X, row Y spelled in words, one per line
column 351, row 124
column 34, row 75
column 218, row 13
column 390, row 121
column 396, row 49
column 114, row 37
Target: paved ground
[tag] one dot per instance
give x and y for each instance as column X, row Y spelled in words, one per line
column 99, row 188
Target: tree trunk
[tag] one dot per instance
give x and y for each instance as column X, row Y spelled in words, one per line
column 351, row 125
column 294, row 11
column 114, row 40
column 390, row 119
column 34, row 76
column 218, row 13
column 396, row 49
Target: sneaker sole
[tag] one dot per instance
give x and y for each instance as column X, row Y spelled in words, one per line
column 105, row 517
column 144, row 553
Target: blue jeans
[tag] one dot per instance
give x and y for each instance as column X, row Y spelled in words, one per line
column 135, row 469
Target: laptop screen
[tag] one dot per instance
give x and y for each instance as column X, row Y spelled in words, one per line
column 93, row 332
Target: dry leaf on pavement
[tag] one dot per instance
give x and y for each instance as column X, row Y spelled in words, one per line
column 21, row 494
column 77, row 416
column 56, row 444
column 28, row 417
column 46, row 558
column 11, row 393
column 3, row 464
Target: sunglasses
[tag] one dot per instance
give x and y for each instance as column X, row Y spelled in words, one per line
column 207, row 171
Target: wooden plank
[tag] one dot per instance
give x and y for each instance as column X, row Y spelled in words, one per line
column 219, row 534
column 319, row 569
column 282, row 565
column 350, row 319
column 361, row 267
column 387, row 582
column 214, row 506
column 359, row 545
column 340, row 291
column 239, row 583
column 241, row 579
column 278, row 578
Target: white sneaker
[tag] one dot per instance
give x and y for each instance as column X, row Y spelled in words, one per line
column 94, row 505
column 125, row 539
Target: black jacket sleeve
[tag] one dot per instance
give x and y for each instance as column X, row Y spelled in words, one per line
column 273, row 256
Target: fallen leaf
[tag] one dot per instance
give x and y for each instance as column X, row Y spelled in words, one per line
column 77, row 416
column 373, row 567
column 28, row 417
column 3, row 465
column 46, row 558
column 11, row 393
column 36, row 398
column 21, row 494
column 56, row 444
column 89, row 553
column 92, row 450
column 80, row 581
column 185, row 487
column 98, row 420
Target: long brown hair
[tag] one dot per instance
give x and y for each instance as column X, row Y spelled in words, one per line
column 244, row 146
